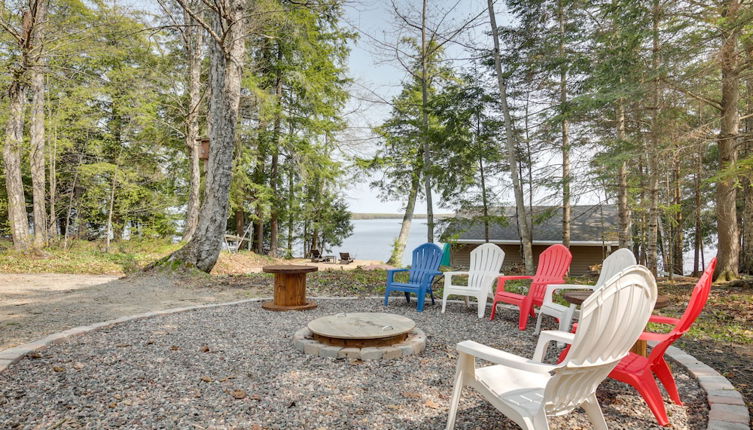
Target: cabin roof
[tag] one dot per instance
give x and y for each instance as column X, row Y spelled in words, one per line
column 591, row 225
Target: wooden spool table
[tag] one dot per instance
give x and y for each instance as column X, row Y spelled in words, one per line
column 361, row 329
column 290, row 288
column 577, row 297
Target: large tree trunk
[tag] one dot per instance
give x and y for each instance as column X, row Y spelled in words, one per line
column 398, row 248
column 425, row 126
column 19, row 223
column 36, row 129
column 728, row 251
column 194, row 39
column 746, row 251
column 227, row 53
column 523, row 227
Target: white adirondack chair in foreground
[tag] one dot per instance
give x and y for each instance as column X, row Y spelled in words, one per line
column 613, row 264
column 486, row 262
column 527, row 391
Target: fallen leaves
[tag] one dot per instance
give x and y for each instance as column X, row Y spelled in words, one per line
column 58, row 369
column 238, row 394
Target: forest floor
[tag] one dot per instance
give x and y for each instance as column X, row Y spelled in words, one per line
column 34, row 305
column 89, row 257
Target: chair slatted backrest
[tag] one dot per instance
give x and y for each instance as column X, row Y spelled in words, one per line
column 486, row 262
column 315, row 253
column 426, row 259
column 697, row 302
column 554, row 263
column 612, row 319
column 345, row 256
column 615, row 263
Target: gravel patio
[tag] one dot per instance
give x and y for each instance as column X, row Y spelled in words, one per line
column 235, row 366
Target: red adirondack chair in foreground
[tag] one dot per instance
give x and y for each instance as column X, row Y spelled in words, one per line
column 554, row 263
column 639, row 371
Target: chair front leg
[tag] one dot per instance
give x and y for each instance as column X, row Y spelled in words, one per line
column 466, row 368
column 592, row 408
column 481, row 299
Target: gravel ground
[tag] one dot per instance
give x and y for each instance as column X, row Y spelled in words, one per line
column 235, row 367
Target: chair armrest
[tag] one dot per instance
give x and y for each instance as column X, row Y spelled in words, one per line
column 501, row 357
column 551, row 288
column 502, row 279
column 547, row 336
column 663, row 320
column 391, row 273
column 448, row 277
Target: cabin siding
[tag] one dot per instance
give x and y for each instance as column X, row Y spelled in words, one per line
column 583, row 257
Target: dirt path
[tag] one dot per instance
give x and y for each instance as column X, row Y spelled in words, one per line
column 34, row 305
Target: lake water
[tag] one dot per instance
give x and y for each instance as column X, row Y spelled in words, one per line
column 372, row 239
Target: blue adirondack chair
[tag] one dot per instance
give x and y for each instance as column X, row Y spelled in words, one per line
column 423, row 269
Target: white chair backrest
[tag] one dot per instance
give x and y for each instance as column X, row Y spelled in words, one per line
column 486, row 262
column 615, row 263
column 612, row 319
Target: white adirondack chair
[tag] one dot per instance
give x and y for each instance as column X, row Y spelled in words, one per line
column 486, row 262
column 527, row 391
column 613, row 264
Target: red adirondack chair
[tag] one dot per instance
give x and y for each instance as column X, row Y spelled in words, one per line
column 639, row 371
column 554, row 263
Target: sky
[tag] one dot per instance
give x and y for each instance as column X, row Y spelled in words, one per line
column 376, row 75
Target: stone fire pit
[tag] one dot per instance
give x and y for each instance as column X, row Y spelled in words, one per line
column 362, row 336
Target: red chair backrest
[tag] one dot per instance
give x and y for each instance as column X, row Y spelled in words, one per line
column 698, row 299
column 554, row 263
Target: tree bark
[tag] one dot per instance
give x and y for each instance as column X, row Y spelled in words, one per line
column 728, row 251
column 227, row 54
column 523, row 227
column 19, row 223
column 36, row 128
column 398, row 248
column 678, row 238
column 193, row 40
column 425, row 126
column 273, row 179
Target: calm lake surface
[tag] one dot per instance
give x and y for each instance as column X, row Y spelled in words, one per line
column 372, row 239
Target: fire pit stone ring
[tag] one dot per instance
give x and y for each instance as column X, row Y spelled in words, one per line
column 361, row 336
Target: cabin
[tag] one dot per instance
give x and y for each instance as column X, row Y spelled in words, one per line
column 593, row 235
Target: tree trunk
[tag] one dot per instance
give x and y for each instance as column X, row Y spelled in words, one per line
column 653, row 169
column 17, row 218
column 746, row 250
column 678, row 238
column 52, row 220
column 425, row 126
column 398, row 248
column 566, row 209
column 227, row 52
column 698, row 239
column 273, row 179
column 110, row 210
column 728, row 251
column 194, row 39
column 523, row 227
column 623, row 208
column 36, row 128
